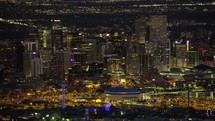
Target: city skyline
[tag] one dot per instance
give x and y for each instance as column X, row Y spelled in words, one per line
column 107, row 60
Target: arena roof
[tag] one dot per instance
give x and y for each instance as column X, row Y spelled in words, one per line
column 122, row 91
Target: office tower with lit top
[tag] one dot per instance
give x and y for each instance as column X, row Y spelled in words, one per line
column 58, row 36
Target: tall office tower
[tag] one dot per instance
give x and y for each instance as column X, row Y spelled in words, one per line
column 57, row 39
column 132, row 59
column 36, row 67
column 44, row 38
column 142, row 34
column 46, row 56
column 140, row 29
column 68, row 41
column 148, row 57
column 31, row 64
column 162, row 55
column 62, row 61
column 27, row 57
column 158, row 28
column 120, row 51
column 159, row 36
column 19, row 57
column 58, row 34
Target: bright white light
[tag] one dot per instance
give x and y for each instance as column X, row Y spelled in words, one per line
column 121, row 112
column 56, row 20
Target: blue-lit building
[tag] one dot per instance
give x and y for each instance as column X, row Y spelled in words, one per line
column 117, row 94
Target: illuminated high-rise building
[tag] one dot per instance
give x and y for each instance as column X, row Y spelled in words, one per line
column 86, row 48
column 32, row 66
column 46, row 57
column 44, row 38
column 180, row 59
column 68, row 41
column 183, row 55
column 36, row 67
column 141, row 29
column 62, row 61
column 148, row 57
column 115, row 67
column 27, row 57
column 58, row 36
column 159, row 36
column 158, row 28
column 154, row 45
column 57, row 39
column 132, row 59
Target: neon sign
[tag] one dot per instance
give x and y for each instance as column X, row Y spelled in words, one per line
column 209, row 112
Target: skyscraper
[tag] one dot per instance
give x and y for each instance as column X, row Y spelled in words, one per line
column 140, row 29
column 62, row 64
column 181, row 55
column 46, row 57
column 159, row 36
column 19, row 57
column 32, row 66
column 132, row 58
column 57, row 39
column 158, row 28
column 36, row 67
